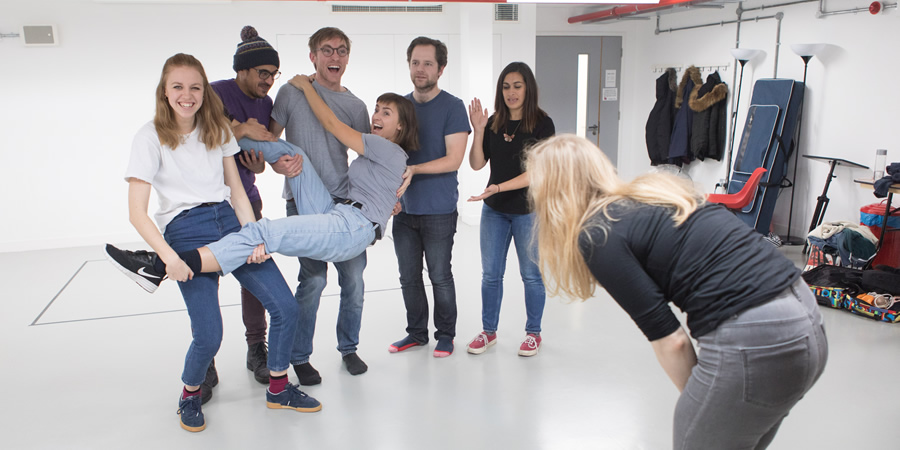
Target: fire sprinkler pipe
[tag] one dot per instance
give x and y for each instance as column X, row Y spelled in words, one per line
column 626, row 10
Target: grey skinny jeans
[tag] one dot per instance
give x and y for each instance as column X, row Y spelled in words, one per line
column 750, row 372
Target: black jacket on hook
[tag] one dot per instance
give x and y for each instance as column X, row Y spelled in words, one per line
column 710, row 118
column 680, row 145
column 658, row 131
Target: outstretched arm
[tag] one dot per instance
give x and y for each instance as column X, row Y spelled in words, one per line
column 343, row 132
column 138, row 202
column 518, row 182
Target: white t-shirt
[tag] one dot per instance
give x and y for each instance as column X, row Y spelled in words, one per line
column 183, row 178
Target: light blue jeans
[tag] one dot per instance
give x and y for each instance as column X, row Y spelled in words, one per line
column 194, row 228
column 497, row 230
column 751, row 370
column 323, row 231
column 313, row 278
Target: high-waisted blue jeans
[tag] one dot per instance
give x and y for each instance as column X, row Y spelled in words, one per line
column 751, row 370
column 322, row 231
column 195, row 228
column 497, row 230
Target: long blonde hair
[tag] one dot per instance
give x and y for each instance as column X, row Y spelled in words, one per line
column 210, row 118
column 571, row 182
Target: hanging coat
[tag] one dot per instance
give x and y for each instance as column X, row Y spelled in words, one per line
column 658, row 130
column 680, row 144
column 709, row 105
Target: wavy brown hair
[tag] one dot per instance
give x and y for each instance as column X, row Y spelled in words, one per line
column 408, row 137
column 531, row 113
column 214, row 127
column 571, row 182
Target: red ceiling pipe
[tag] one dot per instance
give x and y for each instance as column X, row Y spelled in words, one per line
column 618, row 11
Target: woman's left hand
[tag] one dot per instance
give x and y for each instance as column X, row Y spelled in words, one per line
column 259, row 255
column 302, row 81
column 488, row 191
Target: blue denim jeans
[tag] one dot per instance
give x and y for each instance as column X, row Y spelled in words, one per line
column 313, row 278
column 751, row 370
column 195, row 228
column 497, row 229
column 322, row 231
column 431, row 236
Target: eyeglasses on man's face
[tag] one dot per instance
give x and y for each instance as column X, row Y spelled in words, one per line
column 265, row 74
column 328, row 50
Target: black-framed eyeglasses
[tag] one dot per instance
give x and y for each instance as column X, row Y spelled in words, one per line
column 265, row 74
column 341, row 51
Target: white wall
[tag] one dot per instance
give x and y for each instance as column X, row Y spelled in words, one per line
column 70, row 111
column 850, row 107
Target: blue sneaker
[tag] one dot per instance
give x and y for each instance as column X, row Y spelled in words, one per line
column 292, row 398
column 444, row 347
column 191, row 415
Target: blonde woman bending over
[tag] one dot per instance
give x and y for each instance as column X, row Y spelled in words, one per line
column 653, row 241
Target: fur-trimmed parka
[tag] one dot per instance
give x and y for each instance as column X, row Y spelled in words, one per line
column 709, row 105
column 658, row 131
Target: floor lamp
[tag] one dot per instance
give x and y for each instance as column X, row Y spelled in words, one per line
column 742, row 55
column 805, row 52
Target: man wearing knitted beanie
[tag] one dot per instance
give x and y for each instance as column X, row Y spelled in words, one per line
column 248, row 107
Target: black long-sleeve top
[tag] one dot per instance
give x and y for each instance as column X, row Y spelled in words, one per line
column 711, row 267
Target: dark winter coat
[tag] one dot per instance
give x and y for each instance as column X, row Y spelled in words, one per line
column 709, row 105
column 658, row 131
column 680, row 144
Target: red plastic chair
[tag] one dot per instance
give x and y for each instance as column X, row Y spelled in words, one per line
column 740, row 199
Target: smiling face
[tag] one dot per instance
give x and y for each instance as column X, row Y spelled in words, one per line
column 184, row 91
column 386, row 121
column 252, row 85
column 514, row 94
column 330, row 69
column 423, row 68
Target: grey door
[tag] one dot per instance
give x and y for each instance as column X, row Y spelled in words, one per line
column 556, row 70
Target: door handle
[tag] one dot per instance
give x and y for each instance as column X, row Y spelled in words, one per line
column 594, row 129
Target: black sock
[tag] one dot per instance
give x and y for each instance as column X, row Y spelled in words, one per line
column 190, row 257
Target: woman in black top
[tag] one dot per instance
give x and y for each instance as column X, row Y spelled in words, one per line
column 501, row 139
column 653, row 241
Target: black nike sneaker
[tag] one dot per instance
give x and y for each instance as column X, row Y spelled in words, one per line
column 136, row 265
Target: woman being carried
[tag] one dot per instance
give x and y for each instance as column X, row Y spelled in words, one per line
column 326, row 229
column 653, row 241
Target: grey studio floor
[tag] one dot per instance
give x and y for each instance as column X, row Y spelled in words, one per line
column 92, row 361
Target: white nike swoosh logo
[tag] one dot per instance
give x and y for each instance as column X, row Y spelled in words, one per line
column 145, row 274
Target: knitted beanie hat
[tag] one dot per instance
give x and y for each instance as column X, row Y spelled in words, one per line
column 254, row 51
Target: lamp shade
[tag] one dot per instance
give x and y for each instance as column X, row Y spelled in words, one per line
column 745, row 54
column 807, row 49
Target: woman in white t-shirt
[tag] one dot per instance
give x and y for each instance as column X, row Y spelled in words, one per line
column 186, row 154
column 326, row 228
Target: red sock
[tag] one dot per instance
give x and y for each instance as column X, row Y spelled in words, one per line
column 277, row 384
column 186, row 393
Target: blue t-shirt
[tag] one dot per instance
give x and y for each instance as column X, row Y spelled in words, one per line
column 240, row 107
column 430, row 194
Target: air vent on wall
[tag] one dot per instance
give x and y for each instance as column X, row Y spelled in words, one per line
column 506, row 12
column 386, row 9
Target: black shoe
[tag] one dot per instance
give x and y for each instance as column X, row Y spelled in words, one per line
column 307, row 374
column 355, row 365
column 136, row 265
column 211, row 380
column 257, row 358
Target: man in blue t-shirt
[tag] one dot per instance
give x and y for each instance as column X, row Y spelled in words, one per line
column 248, row 107
column 427, row 221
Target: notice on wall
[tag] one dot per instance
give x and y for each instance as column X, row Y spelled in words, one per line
column 610, row 94
column 610, row 79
